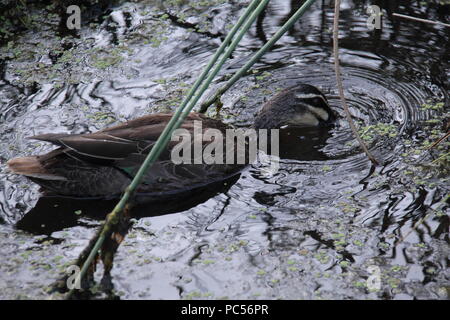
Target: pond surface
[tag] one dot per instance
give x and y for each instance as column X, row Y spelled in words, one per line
column 327, row 225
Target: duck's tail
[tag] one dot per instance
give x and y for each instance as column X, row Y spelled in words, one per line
column 31, row 167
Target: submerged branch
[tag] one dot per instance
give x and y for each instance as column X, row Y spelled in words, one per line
column 439, row 141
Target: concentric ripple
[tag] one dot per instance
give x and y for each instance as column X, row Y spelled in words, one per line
column 374, row 97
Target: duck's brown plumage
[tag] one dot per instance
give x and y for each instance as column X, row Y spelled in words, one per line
column 103, row 163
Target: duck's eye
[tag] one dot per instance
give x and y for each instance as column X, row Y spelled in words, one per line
column 316, row 101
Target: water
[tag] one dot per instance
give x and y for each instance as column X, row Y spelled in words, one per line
column 325, row 225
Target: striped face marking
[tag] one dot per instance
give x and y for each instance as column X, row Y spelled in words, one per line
column 320, row 113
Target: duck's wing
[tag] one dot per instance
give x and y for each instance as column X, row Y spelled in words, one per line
column 92, row 147
column 103, row 163
column 118, row 143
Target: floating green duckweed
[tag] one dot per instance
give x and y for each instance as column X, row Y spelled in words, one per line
column 104, row 62
column 420, row 245
column 322, row 257
column 192, row 295
column 370, row 132
column 433, row 106
column 393, row 282
column 261, row 272
column 360, row 284
column 340, row 243
column 358, row 243
column 263, row 76
column 397, row 268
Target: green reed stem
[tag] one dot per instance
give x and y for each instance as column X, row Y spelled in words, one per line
column 190, row 99
column 258, row 55
column 175, row 121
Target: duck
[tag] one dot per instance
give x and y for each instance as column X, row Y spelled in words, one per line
column 103, row 163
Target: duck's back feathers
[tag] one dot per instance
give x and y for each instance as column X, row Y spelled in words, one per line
column 104, row 163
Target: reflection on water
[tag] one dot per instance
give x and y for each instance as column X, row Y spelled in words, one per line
column 310, row 231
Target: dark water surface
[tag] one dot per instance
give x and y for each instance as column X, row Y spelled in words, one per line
column 325, row 226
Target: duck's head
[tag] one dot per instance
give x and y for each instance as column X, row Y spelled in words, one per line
column 301, row 106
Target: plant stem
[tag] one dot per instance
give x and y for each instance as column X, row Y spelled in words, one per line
column 258, row 55
column 337, row 69
column 176, row 120
column 420, row 20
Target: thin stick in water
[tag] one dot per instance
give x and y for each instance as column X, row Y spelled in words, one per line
column 337, row 69
column 420, row 20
